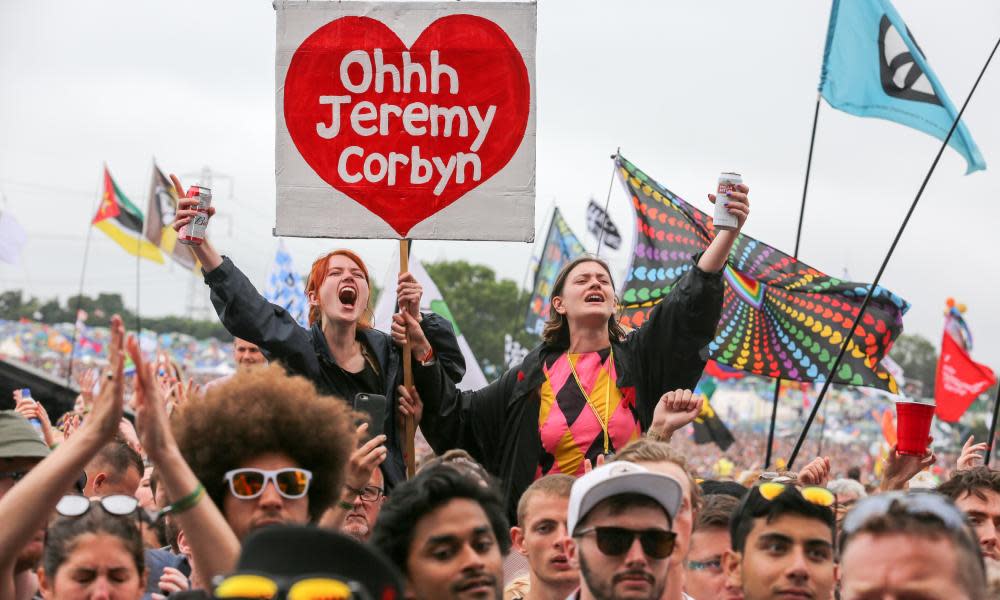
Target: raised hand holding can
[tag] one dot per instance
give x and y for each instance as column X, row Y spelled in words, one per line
column 193, row 233
column 722, row 217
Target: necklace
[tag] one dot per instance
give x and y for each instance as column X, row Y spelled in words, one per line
column 590, row 403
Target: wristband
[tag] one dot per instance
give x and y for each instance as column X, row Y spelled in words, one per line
column 344, row 504
column 187, row 502
column 427, row 357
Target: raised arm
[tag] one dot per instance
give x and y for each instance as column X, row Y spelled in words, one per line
column 205, row 252
column 668, row 350
column 26, row 508
column 214, row 546
column 242, row 309
column 715, row 256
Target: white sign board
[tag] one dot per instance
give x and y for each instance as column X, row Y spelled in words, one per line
column 406, row 119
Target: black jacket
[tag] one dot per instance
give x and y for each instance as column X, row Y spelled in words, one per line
column 498, row 425
column 246, row 314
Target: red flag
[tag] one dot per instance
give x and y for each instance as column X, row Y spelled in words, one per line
column 723, row 372
column 889, row 427
column 959, row 380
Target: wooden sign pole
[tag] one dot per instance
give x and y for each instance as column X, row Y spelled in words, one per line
column 408, row 449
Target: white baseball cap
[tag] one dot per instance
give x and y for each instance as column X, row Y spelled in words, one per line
column 621, row 477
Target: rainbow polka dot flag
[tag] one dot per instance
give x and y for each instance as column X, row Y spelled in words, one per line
column 780, row 317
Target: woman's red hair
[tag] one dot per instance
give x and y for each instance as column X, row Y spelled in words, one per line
column 317, row 275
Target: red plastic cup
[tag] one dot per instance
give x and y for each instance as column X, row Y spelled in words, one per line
column 913, row 426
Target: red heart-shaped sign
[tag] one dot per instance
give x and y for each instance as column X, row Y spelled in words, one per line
column 405, row 132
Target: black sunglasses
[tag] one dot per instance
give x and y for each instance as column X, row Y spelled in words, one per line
column 615, row 541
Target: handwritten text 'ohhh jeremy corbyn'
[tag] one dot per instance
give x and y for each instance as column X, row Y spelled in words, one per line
column 416, row 118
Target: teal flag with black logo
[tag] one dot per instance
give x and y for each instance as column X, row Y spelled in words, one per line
column 872, row 67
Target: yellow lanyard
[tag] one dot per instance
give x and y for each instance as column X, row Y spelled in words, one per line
column 607, row 395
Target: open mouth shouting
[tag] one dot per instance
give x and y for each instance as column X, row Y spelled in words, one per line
column 348, row 295
column 594, row 298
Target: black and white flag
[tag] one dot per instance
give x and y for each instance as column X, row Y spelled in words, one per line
column 598, row 221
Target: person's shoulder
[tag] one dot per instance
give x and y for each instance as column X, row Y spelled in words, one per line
column 161, row 556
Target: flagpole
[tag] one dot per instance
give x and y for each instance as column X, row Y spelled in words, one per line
column 79, row 293
column 798, row 238
column 527, row 271
column 885, row 263
column 822, row 430
column 138, row 262
column 774, row 418
column 993, row 427
column 805, row 188
column 607, row 201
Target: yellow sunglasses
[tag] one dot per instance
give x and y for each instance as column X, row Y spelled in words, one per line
column 819, row 496
column 259, row 587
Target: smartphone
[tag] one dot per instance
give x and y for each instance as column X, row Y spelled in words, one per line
column 373, row 405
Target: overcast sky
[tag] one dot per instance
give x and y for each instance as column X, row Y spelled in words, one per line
column 686, row 88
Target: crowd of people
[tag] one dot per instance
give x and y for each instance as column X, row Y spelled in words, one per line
column 565, row 478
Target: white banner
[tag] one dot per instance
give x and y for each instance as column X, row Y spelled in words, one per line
column 406, row 119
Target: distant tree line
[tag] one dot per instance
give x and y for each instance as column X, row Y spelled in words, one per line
column 14, row 305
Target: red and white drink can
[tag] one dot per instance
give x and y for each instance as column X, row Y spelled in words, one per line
column 722, row 218
column 193, row 234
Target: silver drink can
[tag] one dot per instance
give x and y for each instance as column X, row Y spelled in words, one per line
column 193, row 234
column 722, row 218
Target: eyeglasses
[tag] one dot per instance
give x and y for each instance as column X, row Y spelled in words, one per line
column 247, row 484
column 118, row 505
column 819, row 496
column 314, row 587
column 917, row 503
column 615, row 541
column 369, row 493
column 713, row 565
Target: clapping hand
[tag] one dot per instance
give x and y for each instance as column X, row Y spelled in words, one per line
column 971, row 456
column 150, row 411
column 109, row 405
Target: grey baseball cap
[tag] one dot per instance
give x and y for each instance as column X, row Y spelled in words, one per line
column 621, row 477
column 18, row 439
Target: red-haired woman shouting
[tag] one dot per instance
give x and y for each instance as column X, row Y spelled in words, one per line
column 340, row 353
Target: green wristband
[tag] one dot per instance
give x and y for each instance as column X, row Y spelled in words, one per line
column 187, row 502
column 344, row 504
